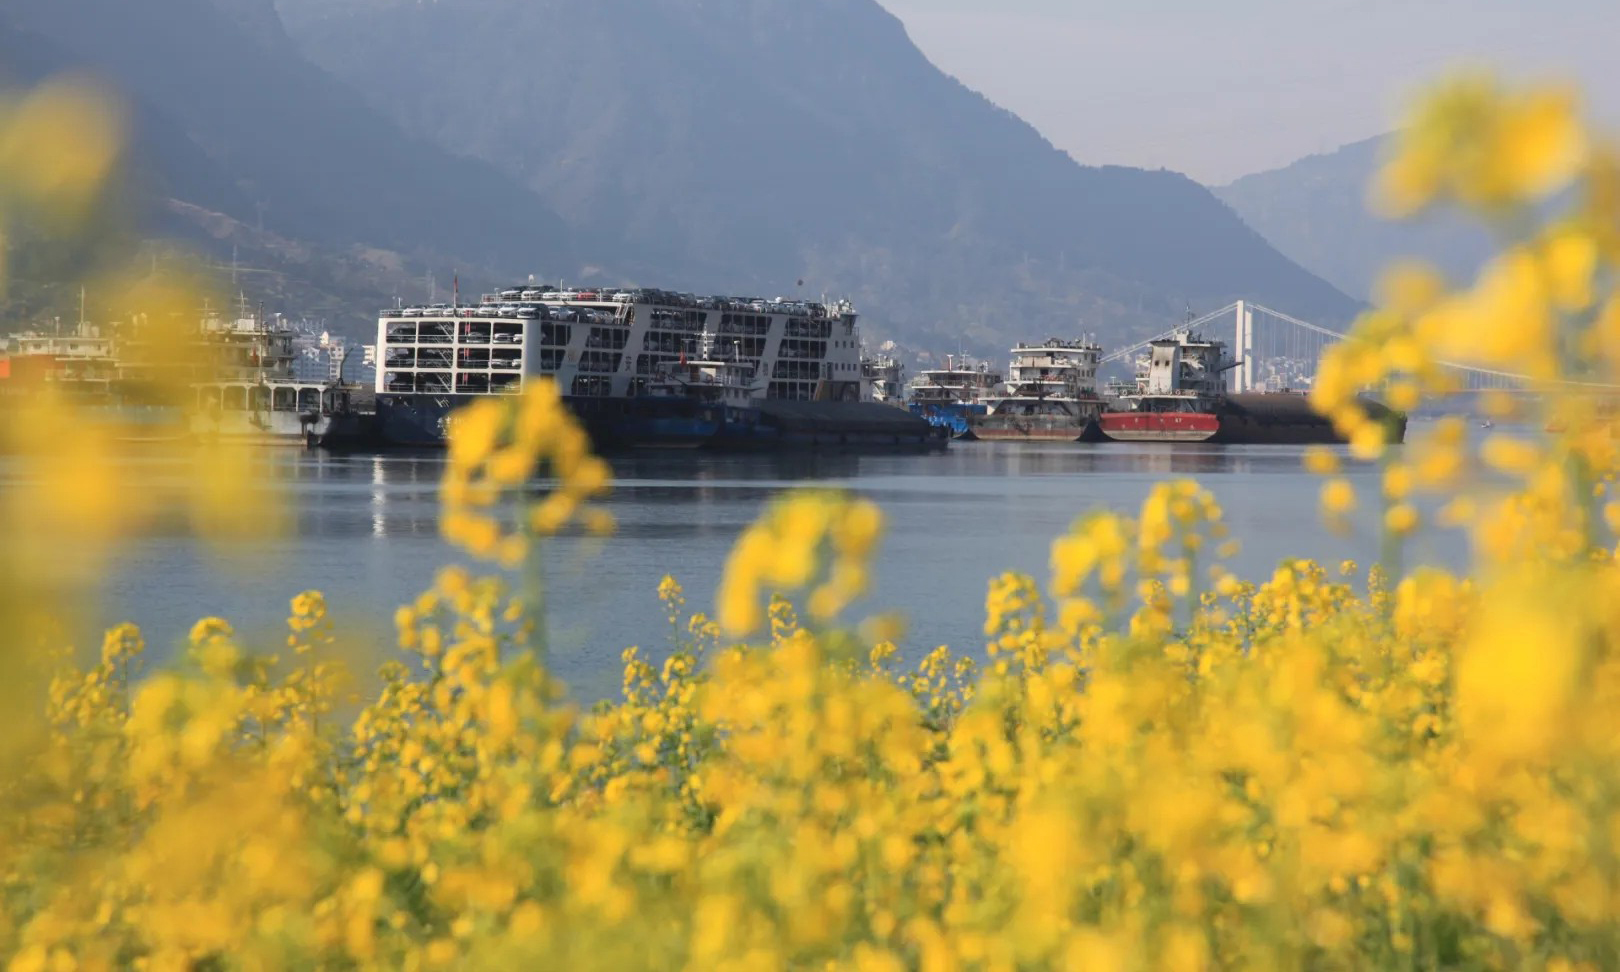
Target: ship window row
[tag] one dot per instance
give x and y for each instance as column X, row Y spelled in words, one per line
column 809, row 329
column 748, row 347
column 510, row 368
column 755, row 324
column 672, row 320
column 483, row 333
column 259, row 398
column 802, row 391
column 679, row 334
column 583, row 315
column 444, row 382
column 590, row 386
column 474, row 362
column 599, row 362
column 614, row 338
column 470, row 333
column 797, row 369
column 803, row 349
column 654, row 364
column 464, row 358
column 668, row 344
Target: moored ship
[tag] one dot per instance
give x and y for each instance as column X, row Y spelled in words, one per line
column 951, row 396
column 1180, row 395
column 639, row 367
column 693, row 404
column 1051, row 394
column 246, row 390
column 233, row 374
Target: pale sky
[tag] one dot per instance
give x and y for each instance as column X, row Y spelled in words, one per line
column 1221, row 89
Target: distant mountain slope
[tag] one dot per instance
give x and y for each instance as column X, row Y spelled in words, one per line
column 1315, row 210
column 750, row 144
column 177, row 203
column 230, row 119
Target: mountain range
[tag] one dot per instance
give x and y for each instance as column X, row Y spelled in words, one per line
column 1316, row 211
column 239, row 144
column 751, row 144
column 759, row 146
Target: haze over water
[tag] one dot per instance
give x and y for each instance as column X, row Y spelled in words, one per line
column 365, row 532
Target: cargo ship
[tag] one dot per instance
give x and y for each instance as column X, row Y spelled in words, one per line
column 1051, row 395
column 235, row 374
column 1180, row 395
column 642, row 368
column 950, row 397
column 691, row 405
column 246, row 389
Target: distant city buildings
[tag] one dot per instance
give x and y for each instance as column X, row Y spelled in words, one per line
column 320, row 355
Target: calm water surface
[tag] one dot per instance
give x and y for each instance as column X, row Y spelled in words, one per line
column 366, row 534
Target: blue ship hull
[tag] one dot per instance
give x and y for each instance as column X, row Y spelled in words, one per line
column 955, row 418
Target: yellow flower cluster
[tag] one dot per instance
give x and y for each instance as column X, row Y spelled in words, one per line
column 1152, row 765
column 1476, row 143
column 1533, row 307
column 781, row 552
column 58, row 147
column 499, row 445
column 1295, row 775
column 1538, row 310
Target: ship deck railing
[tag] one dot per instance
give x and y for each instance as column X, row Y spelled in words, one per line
column 664, row 298
column 1058, row 344
column 276, row 396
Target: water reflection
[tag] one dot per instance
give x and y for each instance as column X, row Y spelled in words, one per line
column 365, row 530
column 1149, row 460
column 699, row 467
column 668, row 494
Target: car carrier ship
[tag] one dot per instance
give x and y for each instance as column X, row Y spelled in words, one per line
column 642, row 367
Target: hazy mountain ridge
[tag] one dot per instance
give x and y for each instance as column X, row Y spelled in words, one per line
column 229, row 119
column 712, row 145
column 1316, row 211
column 751, row 143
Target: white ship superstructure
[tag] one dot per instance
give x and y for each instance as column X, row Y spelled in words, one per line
column 962, row 382
column 1181, row 373
column 885, row 379
column 618, row 344
column 1180, row 393
column 1057, row 369
column 236, row 372
column 253, row 393
column 1051, row 393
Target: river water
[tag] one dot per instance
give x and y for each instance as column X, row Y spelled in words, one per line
column 365, row 533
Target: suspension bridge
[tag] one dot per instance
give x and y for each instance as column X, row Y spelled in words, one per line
column 1277, row 352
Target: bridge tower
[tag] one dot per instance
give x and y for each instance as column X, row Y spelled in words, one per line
column 1243, row 347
